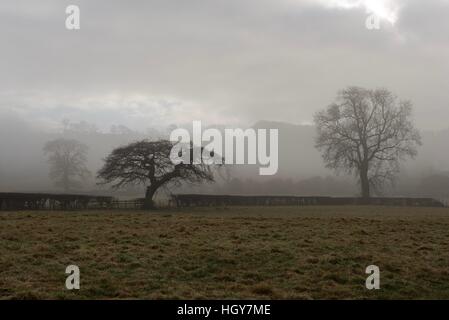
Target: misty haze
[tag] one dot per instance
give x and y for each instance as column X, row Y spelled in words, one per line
column 356, row 91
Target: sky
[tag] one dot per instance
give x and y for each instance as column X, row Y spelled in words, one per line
column 150, row 64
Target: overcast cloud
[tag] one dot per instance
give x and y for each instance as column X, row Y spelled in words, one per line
column 154, row 63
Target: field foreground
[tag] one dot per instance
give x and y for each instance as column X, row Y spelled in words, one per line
column 260, row 253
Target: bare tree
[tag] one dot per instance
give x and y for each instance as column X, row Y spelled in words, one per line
column 367, row 133
column 67, row 160
column 148, row 163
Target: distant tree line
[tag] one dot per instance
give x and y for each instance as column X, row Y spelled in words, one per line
column 367, row 133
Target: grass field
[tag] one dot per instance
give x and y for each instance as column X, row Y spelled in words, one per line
column 261, row 253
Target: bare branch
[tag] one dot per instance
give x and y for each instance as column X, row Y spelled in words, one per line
column 367, row 132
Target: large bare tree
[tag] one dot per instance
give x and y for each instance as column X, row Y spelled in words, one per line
column 67, row 160
column 367, row 133
column 148, row 163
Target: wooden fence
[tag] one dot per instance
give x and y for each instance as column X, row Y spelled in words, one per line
column 44, row 201
column 48, row 201
column 204, row 200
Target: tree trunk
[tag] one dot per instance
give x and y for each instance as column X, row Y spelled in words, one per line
column 66, row 183
column 364, row 183
column 148, row 203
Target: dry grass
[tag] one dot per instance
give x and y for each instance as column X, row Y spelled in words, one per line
column 277, row 252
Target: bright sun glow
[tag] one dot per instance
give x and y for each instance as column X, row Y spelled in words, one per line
column 384, row 9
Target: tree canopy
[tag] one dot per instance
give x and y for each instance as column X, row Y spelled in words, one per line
column 148, row 163
column 368, row 133
column 67, row 158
